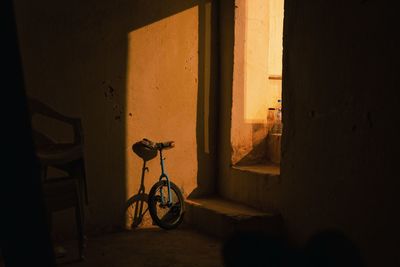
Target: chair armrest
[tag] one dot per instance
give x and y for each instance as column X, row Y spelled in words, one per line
column 37, row 107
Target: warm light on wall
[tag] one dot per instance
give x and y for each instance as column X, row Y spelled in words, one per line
column 257, row 71
column 162, row 74
column 263, row 57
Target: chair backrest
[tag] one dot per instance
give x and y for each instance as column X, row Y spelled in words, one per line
column 71, row 160
column 37, row 107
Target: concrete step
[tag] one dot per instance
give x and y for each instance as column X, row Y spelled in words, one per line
column 221, row 218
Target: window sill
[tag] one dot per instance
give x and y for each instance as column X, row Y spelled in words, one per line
column 268, row 168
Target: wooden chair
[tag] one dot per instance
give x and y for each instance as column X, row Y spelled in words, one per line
column 70, row 190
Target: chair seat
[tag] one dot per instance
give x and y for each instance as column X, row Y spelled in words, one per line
column 59, row 153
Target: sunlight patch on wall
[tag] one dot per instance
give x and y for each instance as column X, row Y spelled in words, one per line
column 162, row 77
column 257, row 75
column 263, row 57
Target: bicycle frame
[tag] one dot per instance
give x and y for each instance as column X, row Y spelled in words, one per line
column 164, row 175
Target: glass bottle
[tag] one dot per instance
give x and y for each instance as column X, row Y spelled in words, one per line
column 277, row 128
column 270, row 118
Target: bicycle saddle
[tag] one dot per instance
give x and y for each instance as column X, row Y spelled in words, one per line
column 144, row 150
column 158, row 146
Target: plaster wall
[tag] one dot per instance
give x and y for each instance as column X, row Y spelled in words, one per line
column 129, row 69
column 339, row 147
column 162, row 96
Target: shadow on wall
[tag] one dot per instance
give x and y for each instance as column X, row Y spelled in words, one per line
column 207, row 99
column 75, row 59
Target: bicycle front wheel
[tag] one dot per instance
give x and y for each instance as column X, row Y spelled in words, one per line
column 166, row 216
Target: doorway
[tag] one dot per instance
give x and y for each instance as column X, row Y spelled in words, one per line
column 257, row 84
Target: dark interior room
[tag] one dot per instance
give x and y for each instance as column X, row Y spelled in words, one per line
column 200, row 133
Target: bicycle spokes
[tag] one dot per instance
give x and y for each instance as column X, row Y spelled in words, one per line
column 136, row 212
column 167, row 212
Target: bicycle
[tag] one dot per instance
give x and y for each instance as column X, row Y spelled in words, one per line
column 165, row 201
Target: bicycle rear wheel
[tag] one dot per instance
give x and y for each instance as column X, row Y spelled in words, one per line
column 166, row 216
column 135, row 212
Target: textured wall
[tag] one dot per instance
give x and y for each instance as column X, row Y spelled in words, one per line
column 339, row 155
column 339, row 149
column 162, row 95
column 130, row 69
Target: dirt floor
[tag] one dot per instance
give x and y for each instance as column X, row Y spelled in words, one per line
column 150, row 246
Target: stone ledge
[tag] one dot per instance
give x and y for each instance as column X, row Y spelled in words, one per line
column 221, row 218
column 263, row 168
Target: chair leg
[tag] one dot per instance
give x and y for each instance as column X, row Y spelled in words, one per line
column 79, row 225
column 84, row 182
column 79, row 171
